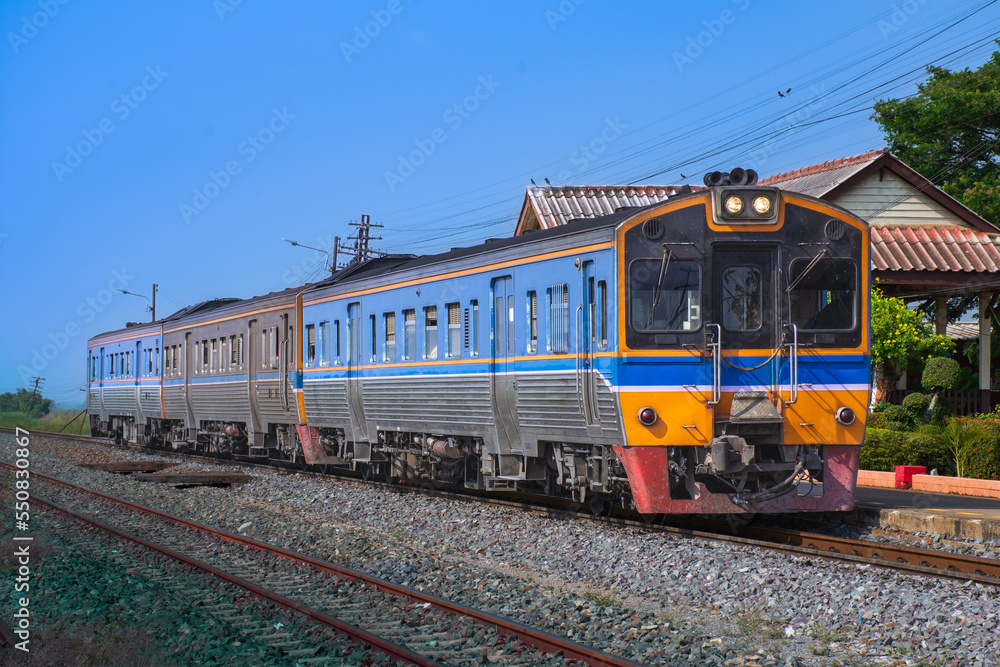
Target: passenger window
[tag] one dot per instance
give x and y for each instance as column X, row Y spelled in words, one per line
column 232, row 352
column 532, row 322
column 602, row 314
column 409, row 334
column 310, row 345
column 389, row 350
column 474, row 328
column 265, row 346
column 336, row 336
column 371, row 322
column 430, row 332
column 454, row 330
column 239, row 356
column 558, row 328
column 324, row 343
column 275, row 343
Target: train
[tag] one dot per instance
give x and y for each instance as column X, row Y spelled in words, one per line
column 705, row 354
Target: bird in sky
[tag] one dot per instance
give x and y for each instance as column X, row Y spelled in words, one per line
column 780, row 94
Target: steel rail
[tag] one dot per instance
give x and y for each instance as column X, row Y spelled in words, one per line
column 357, row 634
column 533, row 637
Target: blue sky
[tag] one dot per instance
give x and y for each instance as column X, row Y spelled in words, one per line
column 180, row 142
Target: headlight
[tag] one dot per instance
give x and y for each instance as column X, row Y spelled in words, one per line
column 761, row 205
column 734, row 205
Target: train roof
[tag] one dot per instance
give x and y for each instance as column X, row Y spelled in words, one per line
column 391, row 263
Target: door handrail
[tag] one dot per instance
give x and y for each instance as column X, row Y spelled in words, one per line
column 716, row 364
column 579, row 361
column 793, row 369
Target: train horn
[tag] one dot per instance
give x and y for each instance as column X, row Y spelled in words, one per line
column 740, row 176
column 716, row 178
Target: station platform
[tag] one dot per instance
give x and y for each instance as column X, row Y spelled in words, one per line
column 945, row 514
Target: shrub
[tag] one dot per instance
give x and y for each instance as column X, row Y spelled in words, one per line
column 983, row 460
column 916, row 405
column 940, row 374
column 897, row 418
column 885, row 449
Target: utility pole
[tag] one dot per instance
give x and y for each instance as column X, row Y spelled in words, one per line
column 31, row 401
column 154, row 301
column 361, row 249
column 336, row 247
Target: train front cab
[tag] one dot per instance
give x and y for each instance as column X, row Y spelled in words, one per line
column 744, row 362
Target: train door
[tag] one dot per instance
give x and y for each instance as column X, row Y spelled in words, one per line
column 252, row 363
column 188, row 369
column 285, row 361
column 503, row 376
column 746, row 318
column 137, row 369
column 586, row 342
column 100, row 384
column 354, row 357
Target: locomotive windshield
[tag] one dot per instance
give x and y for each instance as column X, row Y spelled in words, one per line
column 677, row 295
column 825, row 298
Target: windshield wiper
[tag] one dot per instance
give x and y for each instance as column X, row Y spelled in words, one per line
column 809, row 267
column 664, row 263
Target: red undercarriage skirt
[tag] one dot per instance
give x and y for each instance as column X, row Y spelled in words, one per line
column 647, row 473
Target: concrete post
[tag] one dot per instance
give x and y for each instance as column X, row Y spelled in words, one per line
column 985, row 372
column 940, row 315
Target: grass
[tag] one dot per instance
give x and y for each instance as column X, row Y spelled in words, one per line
column 53, row 421
column 755, row 625
column 603, row 599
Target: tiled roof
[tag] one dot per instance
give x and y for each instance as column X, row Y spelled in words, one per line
column 919, row 248
column 819, row 179
column 962, row 330
column 558, row 205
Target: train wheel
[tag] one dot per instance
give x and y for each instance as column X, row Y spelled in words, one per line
column 387, row 471
column 650, row 519
column 599, row 504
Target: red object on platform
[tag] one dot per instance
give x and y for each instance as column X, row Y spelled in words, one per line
column 904, row 475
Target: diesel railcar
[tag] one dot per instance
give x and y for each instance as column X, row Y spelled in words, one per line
column 705, row 354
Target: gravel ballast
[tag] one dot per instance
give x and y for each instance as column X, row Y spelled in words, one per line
column 651, row 597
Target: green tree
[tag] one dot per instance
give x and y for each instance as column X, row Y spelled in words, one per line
column 950, row 133
column 20, row 401
column 901, row 339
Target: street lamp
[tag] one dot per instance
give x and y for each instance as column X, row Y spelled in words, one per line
column 151, row 308
column 329, row 262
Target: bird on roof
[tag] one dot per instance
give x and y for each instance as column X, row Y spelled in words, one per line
column 533, row 182
column 547, row 182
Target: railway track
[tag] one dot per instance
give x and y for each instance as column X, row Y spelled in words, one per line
column 208, row 596
column 421, row 628
column 912, row 560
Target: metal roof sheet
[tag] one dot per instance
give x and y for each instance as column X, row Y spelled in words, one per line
column 921, row 248
column 819, row 179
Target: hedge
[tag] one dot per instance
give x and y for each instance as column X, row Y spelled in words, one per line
column 884, row 449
